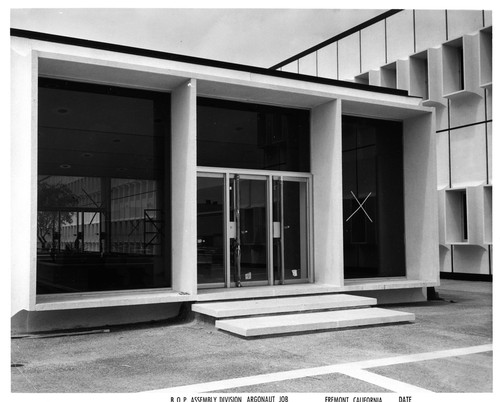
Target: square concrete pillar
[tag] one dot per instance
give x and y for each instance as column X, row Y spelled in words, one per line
column 23, row 216
column 326, row 166
column 421, row 206
column 184, row 247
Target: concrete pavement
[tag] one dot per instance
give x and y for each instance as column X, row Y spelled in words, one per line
column 162, row 356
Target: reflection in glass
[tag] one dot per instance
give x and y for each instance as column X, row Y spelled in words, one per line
column 294, row 229
column 373, row 198
column 250, row 136
column 101, row 188
column 290, row 230
column 249, row 256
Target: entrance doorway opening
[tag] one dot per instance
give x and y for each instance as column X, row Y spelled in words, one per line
column 253, row 228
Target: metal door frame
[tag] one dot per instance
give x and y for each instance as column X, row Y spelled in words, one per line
column 308, row 228
column 269, row 175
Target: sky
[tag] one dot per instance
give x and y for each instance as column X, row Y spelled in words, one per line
column 257, row 33
column 259, row 37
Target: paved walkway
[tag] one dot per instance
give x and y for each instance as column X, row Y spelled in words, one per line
column 447, row 349
column 355, row 370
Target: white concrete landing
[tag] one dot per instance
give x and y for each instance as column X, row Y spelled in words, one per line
column 281, row 324
column 281, row 305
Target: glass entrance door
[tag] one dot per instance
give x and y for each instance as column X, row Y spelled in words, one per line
column 253, row 229
column 290, row 230
column 211, row 224
column 249, row 229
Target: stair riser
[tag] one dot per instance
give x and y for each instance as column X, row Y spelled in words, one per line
column 277, row 310
column 312, row 326
column 282, row 305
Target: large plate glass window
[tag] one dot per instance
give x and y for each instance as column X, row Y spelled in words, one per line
column 250, row 136
column 373, row 198
column 103, row 188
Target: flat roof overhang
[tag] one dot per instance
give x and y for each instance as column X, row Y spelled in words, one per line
column 194, row 60
column 165, row 71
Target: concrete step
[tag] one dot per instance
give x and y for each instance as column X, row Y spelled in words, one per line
column 282, row 324
column 240, row 308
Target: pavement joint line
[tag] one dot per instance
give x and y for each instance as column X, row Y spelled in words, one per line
column 27, row 379
column 384, row 382
column 322, row 370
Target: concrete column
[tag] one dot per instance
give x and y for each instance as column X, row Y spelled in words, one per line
column 421, row 198
column 23, row 214
column 184, row 247
column 326, row 167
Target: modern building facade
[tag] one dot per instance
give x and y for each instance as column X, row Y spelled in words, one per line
column 445, row 58
column 142, row 181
